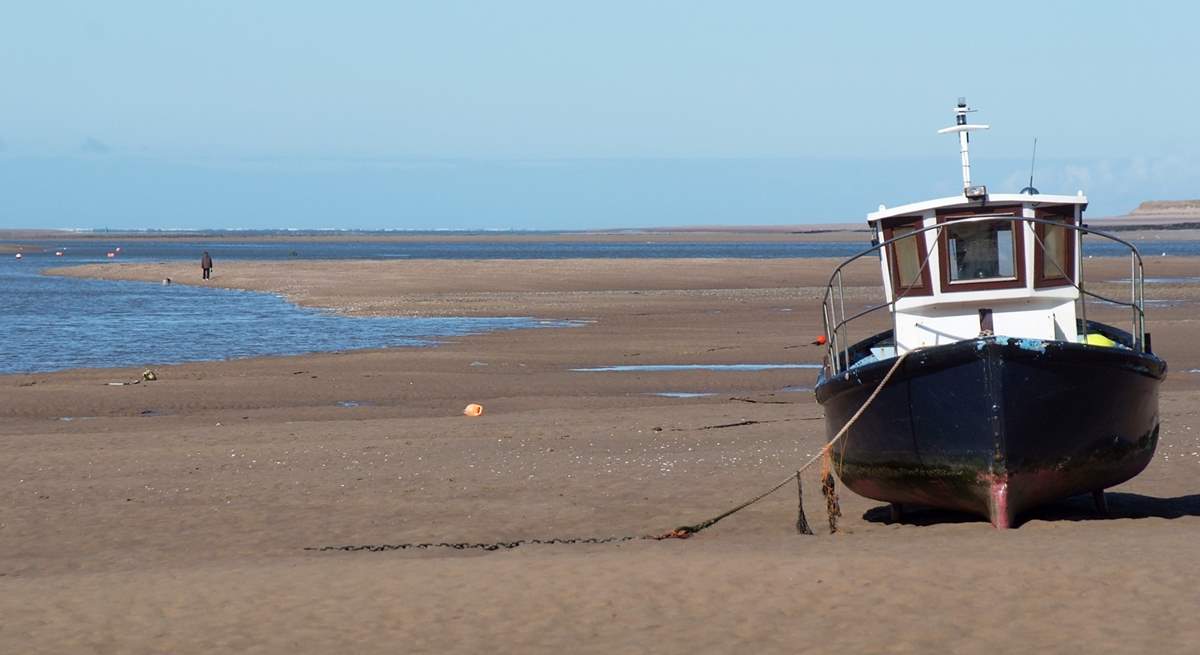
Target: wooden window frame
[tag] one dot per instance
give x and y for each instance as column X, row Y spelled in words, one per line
column 945, row 216
column 889, row 233
column 1041, row 278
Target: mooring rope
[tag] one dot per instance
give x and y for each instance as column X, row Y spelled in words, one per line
column 686, row 531
column 682, row 532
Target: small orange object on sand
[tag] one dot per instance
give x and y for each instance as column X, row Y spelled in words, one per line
column 821, row 341
column 474, row 409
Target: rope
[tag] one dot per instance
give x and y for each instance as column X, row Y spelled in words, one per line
column 682, row 532
column 685, row 531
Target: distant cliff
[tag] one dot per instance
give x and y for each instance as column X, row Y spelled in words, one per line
column 1167, row 208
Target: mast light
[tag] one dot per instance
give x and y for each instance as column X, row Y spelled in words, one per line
column 977, row 192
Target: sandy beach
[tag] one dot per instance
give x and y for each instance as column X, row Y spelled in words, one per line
column 174, row 515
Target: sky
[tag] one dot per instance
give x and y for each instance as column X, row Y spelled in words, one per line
column 573, row 115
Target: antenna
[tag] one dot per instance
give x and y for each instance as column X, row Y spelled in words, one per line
column 1032, row 190
column 962, row 128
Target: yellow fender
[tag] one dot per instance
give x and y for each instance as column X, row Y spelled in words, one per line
column 1100, row 340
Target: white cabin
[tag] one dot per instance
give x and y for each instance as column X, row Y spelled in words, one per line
column 971, row 273
column 965, row 278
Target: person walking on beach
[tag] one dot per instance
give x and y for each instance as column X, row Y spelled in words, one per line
column 206, row 264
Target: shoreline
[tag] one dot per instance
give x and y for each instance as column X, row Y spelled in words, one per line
column 545, row 288
column 11, row 248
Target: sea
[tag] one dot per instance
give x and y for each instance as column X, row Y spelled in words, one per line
column 51, row 323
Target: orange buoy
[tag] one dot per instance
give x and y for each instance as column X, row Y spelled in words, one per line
column 821, row 341
column 474, row 409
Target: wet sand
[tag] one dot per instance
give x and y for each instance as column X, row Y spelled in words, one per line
column 173, row 516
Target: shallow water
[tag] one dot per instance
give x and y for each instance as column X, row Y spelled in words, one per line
column 1100, row 247
column 52, row 323
column 1162, row 280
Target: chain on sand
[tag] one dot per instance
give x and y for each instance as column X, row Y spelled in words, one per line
column 495, row 545
column 683, row 532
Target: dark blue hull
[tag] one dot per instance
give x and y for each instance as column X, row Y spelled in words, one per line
column 996, row 426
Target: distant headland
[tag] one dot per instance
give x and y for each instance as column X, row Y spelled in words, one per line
column 1167, row 208
column 1172, row 215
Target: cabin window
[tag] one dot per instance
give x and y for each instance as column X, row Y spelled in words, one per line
column 908, row 258
column 910, row 273
column 1054, row 252
column 1054, row 265
column 980, row 251
column 979, row 255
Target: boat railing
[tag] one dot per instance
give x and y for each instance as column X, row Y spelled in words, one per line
column 837, row 323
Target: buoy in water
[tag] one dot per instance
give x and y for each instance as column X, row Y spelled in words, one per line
column 111, row 255
column 474, row 409
column 58, row 253
column 18, row 255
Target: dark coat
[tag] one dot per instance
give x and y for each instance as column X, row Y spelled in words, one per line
column 206, row 261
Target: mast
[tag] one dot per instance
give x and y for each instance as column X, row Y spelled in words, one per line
column 962, row 128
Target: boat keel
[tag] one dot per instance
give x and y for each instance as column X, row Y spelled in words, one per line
column 998, row 508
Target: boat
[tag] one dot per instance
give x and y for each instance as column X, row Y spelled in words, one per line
column 992, row 393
